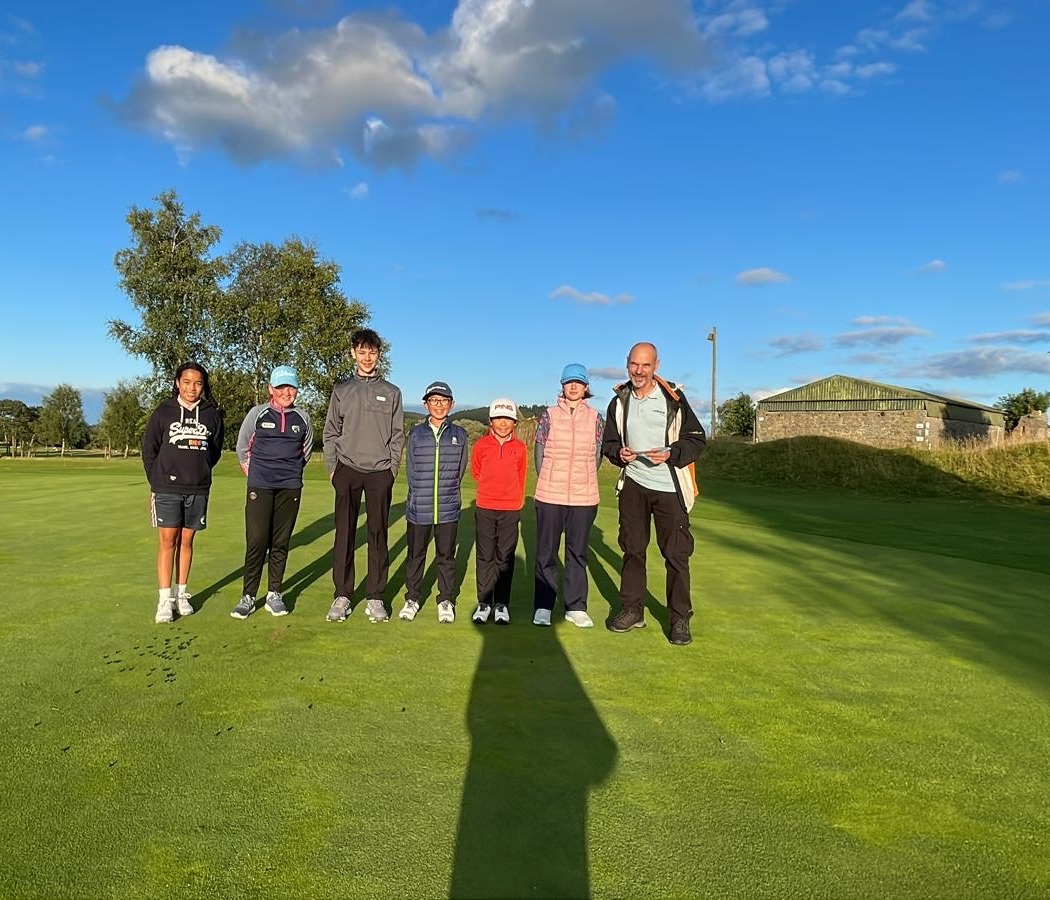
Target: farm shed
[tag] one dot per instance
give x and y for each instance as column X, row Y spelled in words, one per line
column 882, row 415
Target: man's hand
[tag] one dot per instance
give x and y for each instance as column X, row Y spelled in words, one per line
column 658, row 455
column 627, row 455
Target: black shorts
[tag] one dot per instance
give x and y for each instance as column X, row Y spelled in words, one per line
column 179, row 511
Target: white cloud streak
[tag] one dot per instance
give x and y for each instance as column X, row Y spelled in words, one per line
column 764, row 275
column 886, row 336
column 933, row 266
column 1028, row 285
column 568, row 292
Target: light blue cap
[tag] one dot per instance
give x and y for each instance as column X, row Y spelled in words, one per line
column 284, row 375
column 575, row 372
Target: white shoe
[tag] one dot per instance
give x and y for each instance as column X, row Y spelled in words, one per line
column 185, row 607
column 165, row 612
column 579, row 618
column 502, row 614
column 481, row 614
column 542, row 617
column 446, row 611
column 409, row 610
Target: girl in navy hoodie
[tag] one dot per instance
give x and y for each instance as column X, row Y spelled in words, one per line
column 182, row 444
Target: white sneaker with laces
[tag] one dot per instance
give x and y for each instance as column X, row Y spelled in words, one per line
column 185, row 607
column 409, row 610
column 481, row 614
column 165, row 612
column 579, row 618
column 542, row 617
column 446, row 611
column 502, row 614
column 375, row 610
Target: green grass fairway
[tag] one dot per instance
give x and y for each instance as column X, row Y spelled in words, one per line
column 864, row 712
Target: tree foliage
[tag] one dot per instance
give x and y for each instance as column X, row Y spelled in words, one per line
column 1015, row 406
column 737, row 416
column 239, row 314
column 17, row 423
column 61, row 419
column 122, row 416
column 174, row 284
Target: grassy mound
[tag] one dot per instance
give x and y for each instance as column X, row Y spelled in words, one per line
column 1020, row 472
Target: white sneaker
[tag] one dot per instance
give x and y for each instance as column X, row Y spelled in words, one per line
column 409, row 610
column 375, row 610
column 185, row 607
column 502, row 614
column 579, row 618
column 446, row 611
column 481, row 614
column 165, row 612
column 542, row 617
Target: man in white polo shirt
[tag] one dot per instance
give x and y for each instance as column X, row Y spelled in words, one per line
column 654, row 436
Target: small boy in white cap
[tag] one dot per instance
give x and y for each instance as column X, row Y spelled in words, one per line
column 498, row 465
column 273, row 447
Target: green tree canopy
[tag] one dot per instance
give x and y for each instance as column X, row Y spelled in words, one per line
column 737, row 416
column 122, row 416
column 17, row 422
column 1014, row 406
column 174, row 284
column 61, row 419
column 239, row 314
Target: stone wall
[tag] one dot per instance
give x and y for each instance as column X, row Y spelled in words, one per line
column 1030, row 428
column 889, row 428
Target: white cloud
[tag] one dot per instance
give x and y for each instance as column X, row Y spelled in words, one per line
column 979, row 363
column 359, row 191
column 882, row 336
column 36, row 133
column 28, row 69
column 879, row 320
column 568, row 292
column 873, row 70
column 1026, row 285
column 1019, row 336
column 741, row 77
column 916, row 10
column 1011, row 176
column 1041, row 319
column 391, row 93
column 609, row 373
column 793, row 72
column 934, row 265
column 742, row 21
column 790, row 344
column 753, row 277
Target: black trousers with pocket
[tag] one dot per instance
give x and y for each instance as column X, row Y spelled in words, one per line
column 377, row 488
column 552, row 521
column 496, row 539
column 269, row 520
column 444, row 558
column 639, row 508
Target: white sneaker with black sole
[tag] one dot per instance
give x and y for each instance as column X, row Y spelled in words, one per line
column 481, row 614
column 502, row 614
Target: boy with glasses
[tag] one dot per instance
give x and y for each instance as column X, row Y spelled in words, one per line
column 434, row 465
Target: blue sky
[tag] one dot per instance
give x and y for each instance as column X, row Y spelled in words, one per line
column 511, row 185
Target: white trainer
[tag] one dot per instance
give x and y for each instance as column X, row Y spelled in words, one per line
column 502, row 616
column 579, row 618
column 446, row 611
column 542, row 617
column 481, row 614
column 185, row 607
column 165, row 612
column 409, row 610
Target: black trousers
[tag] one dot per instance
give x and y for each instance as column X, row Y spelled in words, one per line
column 444, row 556
column 377, row 488
column 638, row 507
column 496, row 539
column 552, row 521
column 269, row 519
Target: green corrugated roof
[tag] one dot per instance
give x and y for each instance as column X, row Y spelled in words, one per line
column 841, row 392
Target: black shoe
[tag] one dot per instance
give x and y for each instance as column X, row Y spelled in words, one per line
column 626, row 619
column 680, row 633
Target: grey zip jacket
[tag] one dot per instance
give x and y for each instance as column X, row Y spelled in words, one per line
column 365, row 425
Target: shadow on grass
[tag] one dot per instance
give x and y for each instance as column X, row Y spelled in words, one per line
column 909, row 564
column 538, row 747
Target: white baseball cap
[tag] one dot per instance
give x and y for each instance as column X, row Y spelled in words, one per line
column 504, row 408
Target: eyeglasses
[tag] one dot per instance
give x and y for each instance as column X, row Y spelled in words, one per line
column 437, row 400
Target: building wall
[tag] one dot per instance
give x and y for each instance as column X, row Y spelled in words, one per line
column 889, row 428
column 1030, row 428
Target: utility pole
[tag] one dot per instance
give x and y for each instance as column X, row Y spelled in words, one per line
column 713, row 338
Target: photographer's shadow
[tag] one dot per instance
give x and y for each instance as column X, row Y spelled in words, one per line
column 538, row 747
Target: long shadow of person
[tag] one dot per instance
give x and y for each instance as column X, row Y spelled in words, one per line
column 538, row 747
